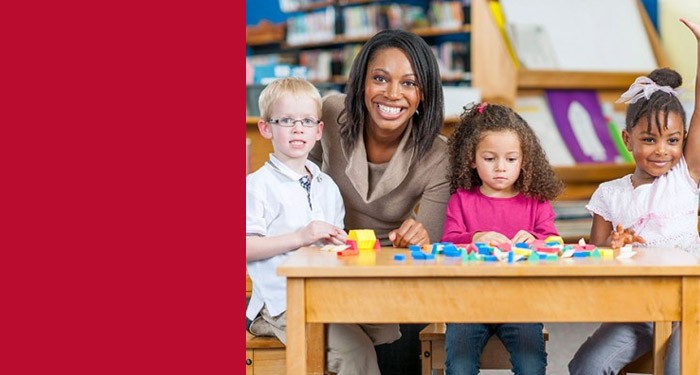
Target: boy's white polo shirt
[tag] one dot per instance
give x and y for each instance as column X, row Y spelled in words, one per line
column 277, row 204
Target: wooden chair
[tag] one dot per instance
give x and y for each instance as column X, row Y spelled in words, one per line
column 263, row 355
column 495, row 355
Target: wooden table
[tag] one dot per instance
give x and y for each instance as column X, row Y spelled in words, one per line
column 659, row 285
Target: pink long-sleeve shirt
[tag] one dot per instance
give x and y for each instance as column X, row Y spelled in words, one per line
column 469, row 212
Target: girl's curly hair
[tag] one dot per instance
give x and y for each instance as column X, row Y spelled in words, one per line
column 537, row 178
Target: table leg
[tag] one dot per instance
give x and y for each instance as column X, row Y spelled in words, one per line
column 316, row 348
column 690, row 326
column 662, row 334
column 296, row 327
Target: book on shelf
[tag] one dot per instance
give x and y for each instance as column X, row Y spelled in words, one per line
column 575, row 209
column 319, row 64
column 573, row 221
column 350, row 51
column 574, row 229
column 446, row 14
column 497, row 12
column 297, row 5
column 453, row 59
column 532, row 45
column 264, row 68
column 363, row 21
column 535, row 110
column 404, row 16
column 313, row 27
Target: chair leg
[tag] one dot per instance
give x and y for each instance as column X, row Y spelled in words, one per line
column 426, row 358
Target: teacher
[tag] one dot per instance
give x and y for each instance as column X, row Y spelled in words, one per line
column 381, row 142
column 382, row 147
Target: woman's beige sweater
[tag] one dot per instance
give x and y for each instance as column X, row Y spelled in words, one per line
column 382, row 196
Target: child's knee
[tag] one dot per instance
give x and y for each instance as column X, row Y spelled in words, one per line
column 586, row 365
column 532, row 364
column 350, row 351
column 349, row 340
column 382, row 333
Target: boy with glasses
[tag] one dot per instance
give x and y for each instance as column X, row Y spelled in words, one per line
column 290, row 203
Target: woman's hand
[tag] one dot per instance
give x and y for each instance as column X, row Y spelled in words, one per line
column 410, row 232
column 490, row 238
column 621, row 237
column 523, row 236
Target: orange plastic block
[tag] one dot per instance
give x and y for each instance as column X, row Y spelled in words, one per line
column 352, row 244
column 348, row 252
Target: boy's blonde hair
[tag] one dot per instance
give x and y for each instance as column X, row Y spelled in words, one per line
column 286, row 86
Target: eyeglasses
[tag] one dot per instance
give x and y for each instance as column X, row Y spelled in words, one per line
column 288, row 122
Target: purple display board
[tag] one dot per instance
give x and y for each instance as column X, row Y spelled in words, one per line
column 583, row 127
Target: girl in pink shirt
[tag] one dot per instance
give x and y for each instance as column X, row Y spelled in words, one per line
column 499, row 168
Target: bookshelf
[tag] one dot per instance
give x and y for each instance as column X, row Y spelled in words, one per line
column 260, row 38
column 500, row 81
column 325, row 36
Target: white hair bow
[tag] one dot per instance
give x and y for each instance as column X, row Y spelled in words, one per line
column 643, row 87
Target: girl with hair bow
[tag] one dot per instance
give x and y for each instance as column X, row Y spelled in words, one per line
column 656, row 206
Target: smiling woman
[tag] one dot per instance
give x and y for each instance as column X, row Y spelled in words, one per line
column 381, row 145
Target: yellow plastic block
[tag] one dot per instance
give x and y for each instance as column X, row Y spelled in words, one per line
column 554, row 239
column 365, row 238
column 523, row 252
column 606, row 253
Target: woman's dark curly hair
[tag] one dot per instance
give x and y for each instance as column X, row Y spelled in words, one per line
column 428, row 119
column 537, row 178
column 659, row 103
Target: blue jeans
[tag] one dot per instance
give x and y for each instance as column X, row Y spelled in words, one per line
column 614, row 345
column 465, row 342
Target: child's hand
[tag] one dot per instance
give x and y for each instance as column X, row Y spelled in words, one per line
column 622, row 237
column 490, row 237
column 338, row 238
column 694, row 27
column 321, row 231
column 523, row 236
